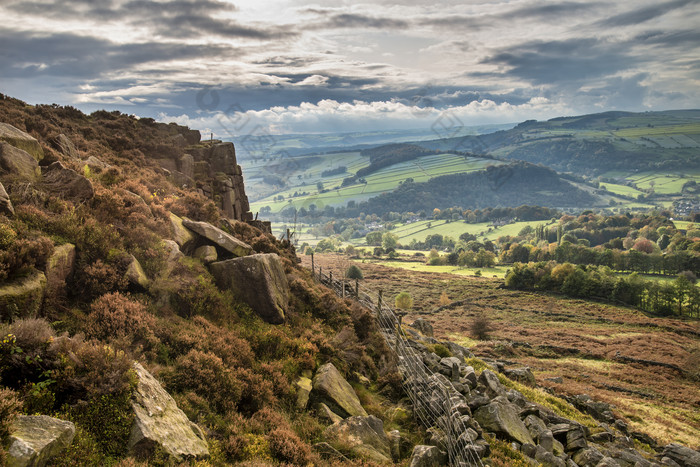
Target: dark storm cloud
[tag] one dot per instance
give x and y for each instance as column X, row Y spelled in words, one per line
column 645, row 14
column 176, row 18
column 543, row 62
column 71, row 55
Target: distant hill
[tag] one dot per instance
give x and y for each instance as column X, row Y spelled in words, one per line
column 508, row 185
column 668, row 140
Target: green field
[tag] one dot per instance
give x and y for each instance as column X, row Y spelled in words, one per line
column 664, row 183
column 384, row 180
column 498, row 271
column 685, row 225
column 623, row 190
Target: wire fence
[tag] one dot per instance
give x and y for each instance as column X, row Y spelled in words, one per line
column 436, row 403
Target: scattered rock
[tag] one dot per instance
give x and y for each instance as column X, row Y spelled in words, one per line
column 330, row 388
column 160, row 423
column 303, row 386
column 95, row 163
column 136, row 275
column 522, row 375
column 493, row 386
column 363, row 435
column 59, row 268
column 325, row 413
column 21, row 140
column 18, row 163
column 22, row 298
column 206, row 254
column 428, row 456
column 173, row 249
column 5, row 203
column 400, row 445
column 66, row 183
column 65, row 146
column 556, row 379
column 218, row 237
column 423, row 326
column 36, row 439
column 259, row 280
column 575, row 439
column 598, row 410
column 587, row 457
column 501, row 417
column 683, row 456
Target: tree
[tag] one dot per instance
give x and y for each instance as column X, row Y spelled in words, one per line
column 404, row 301
column 374, row 238
column 319, row 185
column 389, row 241
column 354, row 272
column 444, row 299
column 481, row 326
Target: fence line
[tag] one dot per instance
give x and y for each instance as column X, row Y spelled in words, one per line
column 433, row 396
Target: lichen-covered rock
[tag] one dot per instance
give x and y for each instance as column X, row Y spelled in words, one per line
column 5, row 203
column 135, row 274
column 423, row 326
column 160, row 423
column 18, row 163
column 428, row 456
column 21, row 140
column 36, row 439
column 330, row 388
column 22, row 298
column 95, row 163
column 523, row 375
column 493, row 386
column 259, row 280
column 323, row 412
column 501, row 417
column 400, row 445
column 66, row 183
column 303, row 386
column 683, row 456
column 363, row 435
column 217, row 236
column 59, row 267
column 182, row 236
column 206, row 254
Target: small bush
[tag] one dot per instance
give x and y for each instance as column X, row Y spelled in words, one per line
column 10, row 406
column 286, row 446
column 440, row 350
column 481, row 326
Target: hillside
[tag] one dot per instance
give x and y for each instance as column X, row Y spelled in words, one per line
column 597, row 142
column 509, row 185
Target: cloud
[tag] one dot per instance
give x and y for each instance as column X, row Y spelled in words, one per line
column 642, row 15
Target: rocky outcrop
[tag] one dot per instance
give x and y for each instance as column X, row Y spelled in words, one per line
column 681, row 455
column 36, row 439
column 65, row 146
column 17, row 163
column 159, row 423
column 259, row 280
column 428, row 456
column 21, row 140
column 59, row 268
column 22, row 298
column 522, row 375
column 330, row 388
column 182, row 236
column 423, row 326
column 363, row 435
column 66, row 183
column 218, row 237
column 5, row 203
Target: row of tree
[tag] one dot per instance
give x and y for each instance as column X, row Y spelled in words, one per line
column 679, row 297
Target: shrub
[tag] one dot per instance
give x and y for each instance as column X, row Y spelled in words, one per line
column 10, row 406
column 481, row 326
column 354, row 272
column 99, row 278
column 286, row 446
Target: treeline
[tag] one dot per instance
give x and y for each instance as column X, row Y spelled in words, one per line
column 680, row 297
column 390, row 154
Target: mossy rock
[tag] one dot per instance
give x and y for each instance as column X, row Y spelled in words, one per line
column 22, row 298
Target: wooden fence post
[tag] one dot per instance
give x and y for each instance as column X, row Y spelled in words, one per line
column 320, row 274
column 379, row 303
column 398, row 333
column 313, row 269
column 357, row 288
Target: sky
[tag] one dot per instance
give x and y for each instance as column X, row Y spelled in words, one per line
column 257, row 67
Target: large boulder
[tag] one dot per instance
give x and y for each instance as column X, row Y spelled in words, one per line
column 523, row 375
column 21, row 140
column 17, row 163
column 182, row 236
column 259, row 280
column 493, row 385
column 683, row 456
column 22, row 298
column 5, row 203
column 501, row 417
column 135, row 275
column 159, row 423
column 363, row 436
column 36, row 439
column 217, row 236
column 59, row 267
column 423, row 326
column 330, row 388
column 303, row 386
column 66, row 183
column 428, row 456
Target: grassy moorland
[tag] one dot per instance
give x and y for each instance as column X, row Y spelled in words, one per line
column 578, row 341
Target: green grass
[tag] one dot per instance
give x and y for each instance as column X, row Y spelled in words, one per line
column 620, row 189
column 497, row 271
column 685, row 225
column 665, row 183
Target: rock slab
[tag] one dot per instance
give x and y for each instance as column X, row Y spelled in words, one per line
column 428, row 456
column 35, row 439
column 330, row 388
column 67, row 183
column 502, row 418
column 364, row 436
column 217, row 236
column 17, row 163
column 59, row 267
column 22, row 298
column 159, row 422
column 5, row 203
column 259, row 280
